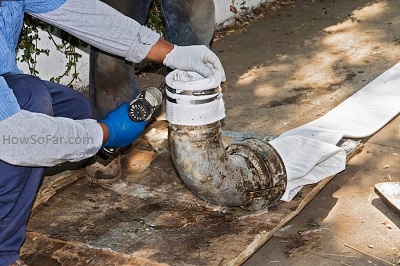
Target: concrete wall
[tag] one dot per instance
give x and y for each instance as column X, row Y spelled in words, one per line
column 225, row 17
column 54, row 64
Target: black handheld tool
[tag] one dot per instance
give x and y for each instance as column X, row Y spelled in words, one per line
column 144, row 105
column 141, row 109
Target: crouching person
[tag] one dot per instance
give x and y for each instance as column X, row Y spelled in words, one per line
column 43, row 123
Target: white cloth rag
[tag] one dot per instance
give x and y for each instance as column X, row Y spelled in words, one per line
column 310, row 153
column 194, row 110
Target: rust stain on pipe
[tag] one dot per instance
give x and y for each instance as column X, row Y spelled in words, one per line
column 249, row 174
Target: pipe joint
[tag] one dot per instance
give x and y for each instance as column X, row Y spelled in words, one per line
column 249, row 174
column 269, row 183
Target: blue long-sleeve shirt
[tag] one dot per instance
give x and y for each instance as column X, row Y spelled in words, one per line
column 11, row 21
column 90, row 20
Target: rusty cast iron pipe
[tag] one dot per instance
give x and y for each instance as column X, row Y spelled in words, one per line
column 250, row 173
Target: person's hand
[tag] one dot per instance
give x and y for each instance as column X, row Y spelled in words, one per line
column 119, row 128
column 197, row 58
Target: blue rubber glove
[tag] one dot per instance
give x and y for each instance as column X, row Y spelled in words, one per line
column 122, row 130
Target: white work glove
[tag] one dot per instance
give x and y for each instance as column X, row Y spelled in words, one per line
column 197, row 58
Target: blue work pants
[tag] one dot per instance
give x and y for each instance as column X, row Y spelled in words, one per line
column 18, row 184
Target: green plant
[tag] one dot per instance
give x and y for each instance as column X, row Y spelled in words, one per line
column 154, row 20
column 243, row 6
column 28, row 44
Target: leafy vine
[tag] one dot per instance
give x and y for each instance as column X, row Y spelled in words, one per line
column 30, row 51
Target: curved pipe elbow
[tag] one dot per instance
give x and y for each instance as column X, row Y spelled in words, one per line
column 250, row 173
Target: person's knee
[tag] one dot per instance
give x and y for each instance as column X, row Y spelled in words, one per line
column 112, row 82
column 85, row 108
column 70, row 103
column 189, row 22
column 32, row 93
